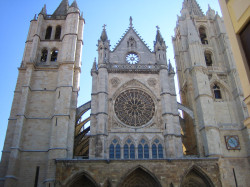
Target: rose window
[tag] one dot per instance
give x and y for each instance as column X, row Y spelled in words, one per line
column 134, row 107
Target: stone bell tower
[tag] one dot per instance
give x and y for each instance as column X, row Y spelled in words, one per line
column 42, row 118
column 209, row 85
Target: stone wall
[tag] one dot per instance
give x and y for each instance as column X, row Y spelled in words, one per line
column 115, row 172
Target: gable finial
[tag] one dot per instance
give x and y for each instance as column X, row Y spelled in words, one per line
column 104, row 27
column 131, row 22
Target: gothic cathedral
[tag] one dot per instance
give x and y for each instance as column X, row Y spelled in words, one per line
column 139, row 135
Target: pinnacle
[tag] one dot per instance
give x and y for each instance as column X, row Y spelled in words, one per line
column 74, row 4
column 62, row 8
column 44, row 10
column 159, row 37
column 104, row 36
column 193, row 7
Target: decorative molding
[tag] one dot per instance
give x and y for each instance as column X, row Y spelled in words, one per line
column 48, row 118
column 55, row 148
column 115, row 82
column 151, row 82
column 208, row 127
column 133, row 68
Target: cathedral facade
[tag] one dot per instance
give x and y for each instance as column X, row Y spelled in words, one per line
column 137, row 134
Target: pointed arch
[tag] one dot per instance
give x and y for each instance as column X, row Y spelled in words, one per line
column 54, row 55
column 203, row 34
column 157, row 148
column 143, row 148
column 48, row 33
column 134, row 83
column 139, row 177
column 129, row 148
column 58, row 32
column 44, row 55
column 224, row 88
column 195, row 176
column 115, row 148
column 81, row 179
column 208, row 57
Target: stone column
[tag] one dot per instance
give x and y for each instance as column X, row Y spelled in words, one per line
column 172, row 136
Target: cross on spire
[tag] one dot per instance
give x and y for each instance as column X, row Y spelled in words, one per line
column 104, row 27
column 131, row 21
column 158, row 28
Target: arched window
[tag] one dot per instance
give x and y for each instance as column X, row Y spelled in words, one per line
column 157, row 149
column 54, row 54
column 131, row 42
column 129, row 149
column 111, row 151
column 44, row 55
column 203, row 35
column 217, row 92
column 58, row 32
column 48, row 33
column 115, row 149
column 208, row 58
column 143, row 149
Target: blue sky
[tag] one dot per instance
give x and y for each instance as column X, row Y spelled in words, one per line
column 147, row 14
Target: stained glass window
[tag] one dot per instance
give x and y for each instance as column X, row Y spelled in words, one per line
column 115, row 150
column 134, row 107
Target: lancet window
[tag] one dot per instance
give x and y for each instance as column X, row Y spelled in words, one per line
column 54, row 54
column 129, row 150
column 203, row 35
column 58, row 32
column 143, row 149
column 114, row 150
column 157, row 149
column 44, row 55
column 217, row 92
column 48, row 33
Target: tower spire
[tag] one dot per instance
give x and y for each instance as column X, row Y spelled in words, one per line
column 193, row 7
column 74, row 4
column 104, row 36
column 62, row 8
column 159, row 37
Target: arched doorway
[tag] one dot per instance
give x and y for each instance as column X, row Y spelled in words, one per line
column 82, row 181
column 140, row 178
column 196, row 178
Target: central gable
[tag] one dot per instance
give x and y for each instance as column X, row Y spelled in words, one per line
column 131, row 43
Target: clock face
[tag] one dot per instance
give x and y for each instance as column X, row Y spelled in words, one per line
column 132, row 58
column 134, row 108
column 232, row 142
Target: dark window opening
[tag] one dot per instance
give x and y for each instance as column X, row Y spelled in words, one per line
column 217, row 92
column 44, row 55
column 54, row 56
column 208, row 59
column 58, row 32
column 203, row 35
column 48, row 33
column 131, row 42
